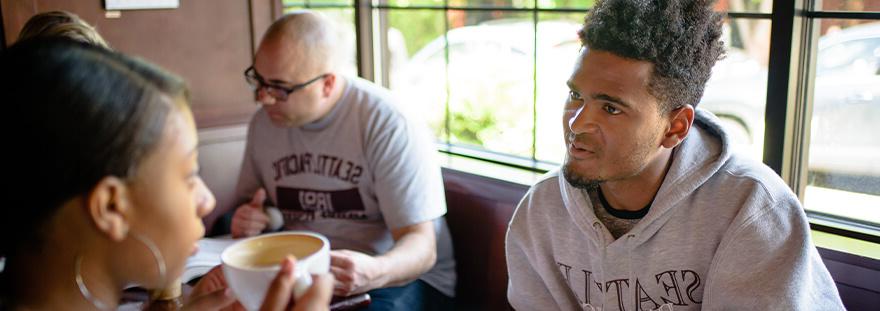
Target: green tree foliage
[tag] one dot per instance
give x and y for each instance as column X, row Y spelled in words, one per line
column 417, row 26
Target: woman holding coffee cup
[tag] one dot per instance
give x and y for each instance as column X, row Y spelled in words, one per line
column 107, row 145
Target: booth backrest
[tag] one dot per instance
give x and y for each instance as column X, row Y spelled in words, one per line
column 220, row 154
column 479, row 209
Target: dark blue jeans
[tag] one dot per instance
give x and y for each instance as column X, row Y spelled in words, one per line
column 416, row 295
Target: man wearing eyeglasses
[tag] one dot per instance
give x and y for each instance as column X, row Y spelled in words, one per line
column 338, row 158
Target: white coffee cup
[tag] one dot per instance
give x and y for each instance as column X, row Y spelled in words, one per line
column 251, row 264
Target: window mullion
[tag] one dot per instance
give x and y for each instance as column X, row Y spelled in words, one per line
column 781, row 85
column 363, row 24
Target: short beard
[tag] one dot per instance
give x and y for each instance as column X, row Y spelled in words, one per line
column 578, row 181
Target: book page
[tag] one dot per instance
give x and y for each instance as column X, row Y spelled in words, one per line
column 206, row 258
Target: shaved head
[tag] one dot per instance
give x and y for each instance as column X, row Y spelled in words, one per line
column 310, row 37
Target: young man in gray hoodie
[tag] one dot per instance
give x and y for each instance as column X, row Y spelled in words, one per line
column 651, row 210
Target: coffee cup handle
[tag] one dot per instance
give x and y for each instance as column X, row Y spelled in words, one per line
column 303, row 282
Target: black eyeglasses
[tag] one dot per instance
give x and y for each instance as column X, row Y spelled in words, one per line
column 278, row 92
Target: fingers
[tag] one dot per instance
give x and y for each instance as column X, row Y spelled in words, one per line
column 256, row 222
column 216, row 273
column 342, row 281
column 215, row 300
column 342, row 268
column 210, row 282
column 318, row 296
column 341, row 259
column 248, row 221
column 259, row 198
column 246, row 229
column 237, row 306
column 280, row 291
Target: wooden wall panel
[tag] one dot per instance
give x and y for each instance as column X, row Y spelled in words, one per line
column 207, row 42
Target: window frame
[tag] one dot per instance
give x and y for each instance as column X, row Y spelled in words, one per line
column 791, row 80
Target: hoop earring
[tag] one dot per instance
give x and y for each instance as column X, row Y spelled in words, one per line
column 100, row 305
column 157, row 255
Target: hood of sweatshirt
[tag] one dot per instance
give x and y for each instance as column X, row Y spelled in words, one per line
column 702, row 153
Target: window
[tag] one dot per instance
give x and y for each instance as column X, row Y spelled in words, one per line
column 490, row 75
column 844, row 148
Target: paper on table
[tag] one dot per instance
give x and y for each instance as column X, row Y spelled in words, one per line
column 206, row 258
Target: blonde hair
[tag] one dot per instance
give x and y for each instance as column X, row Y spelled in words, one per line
column 61, row 24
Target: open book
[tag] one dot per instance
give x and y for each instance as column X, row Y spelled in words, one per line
column 207, row 257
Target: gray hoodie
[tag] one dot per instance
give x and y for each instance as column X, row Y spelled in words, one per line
column 724, row 232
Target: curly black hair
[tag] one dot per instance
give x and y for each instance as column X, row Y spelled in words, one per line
column 680, row 37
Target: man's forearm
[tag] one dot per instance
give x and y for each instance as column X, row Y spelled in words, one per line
column 413, row 254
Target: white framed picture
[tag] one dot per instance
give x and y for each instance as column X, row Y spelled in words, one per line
column 140, row 4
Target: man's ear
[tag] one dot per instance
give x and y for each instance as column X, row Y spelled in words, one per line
column 329, row 83
column 110, row 208
column 680, row 121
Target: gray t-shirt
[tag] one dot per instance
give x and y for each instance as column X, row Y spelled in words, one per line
column 362, row 170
